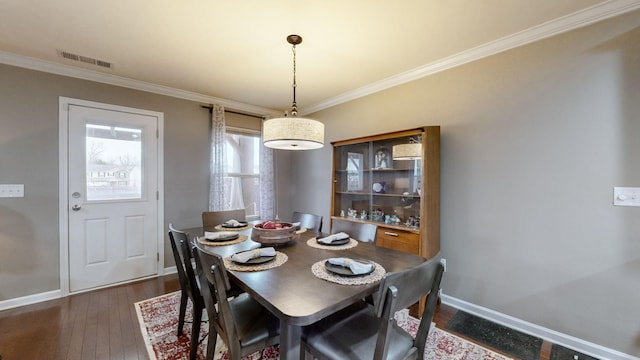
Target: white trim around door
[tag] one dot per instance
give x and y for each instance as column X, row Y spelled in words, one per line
column 63, row 136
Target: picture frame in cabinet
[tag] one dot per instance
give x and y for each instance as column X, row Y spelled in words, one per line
column 355, row 172
column 383, row 159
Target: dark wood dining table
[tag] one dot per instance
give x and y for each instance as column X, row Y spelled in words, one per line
column 294, row 294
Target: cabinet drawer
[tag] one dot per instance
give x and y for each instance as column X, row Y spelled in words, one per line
column 398, row 240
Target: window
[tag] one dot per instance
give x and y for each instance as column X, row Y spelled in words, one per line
column 113, row 162
column 242, row 183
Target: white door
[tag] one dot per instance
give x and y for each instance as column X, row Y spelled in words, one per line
column 112, row 196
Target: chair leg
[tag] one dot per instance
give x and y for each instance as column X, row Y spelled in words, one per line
column 183, row 311
column 195, row 332
column 211, row 344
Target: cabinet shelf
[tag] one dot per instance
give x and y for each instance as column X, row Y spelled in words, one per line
column 374, row 170
column 378, row 194
column 381, row 224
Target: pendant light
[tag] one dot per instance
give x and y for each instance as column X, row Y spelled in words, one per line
column 410, row 151
column 293, row 133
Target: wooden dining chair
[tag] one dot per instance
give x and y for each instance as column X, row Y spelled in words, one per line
column 372, row 332
column 242, row 323
column 310, row 221
column 364, row 232
column 189, row 286
column 212, row 218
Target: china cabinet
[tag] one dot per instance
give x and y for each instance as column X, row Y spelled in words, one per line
column 377, row 179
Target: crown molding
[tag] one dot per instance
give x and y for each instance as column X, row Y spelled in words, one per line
column 91, row 75
column 573, row 21
column 551, row 28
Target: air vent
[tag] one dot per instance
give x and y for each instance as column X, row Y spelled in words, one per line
column 84, row 59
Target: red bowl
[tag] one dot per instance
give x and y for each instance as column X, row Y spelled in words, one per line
column 274, row 236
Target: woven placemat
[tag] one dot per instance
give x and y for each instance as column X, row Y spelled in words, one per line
column 315, row 244
column 220, row 227
column 280, row 259
column 320, row 271
column 202, row 240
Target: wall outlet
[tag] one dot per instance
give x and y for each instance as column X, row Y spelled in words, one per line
column 443, row 261
column 11, row 190
column 626, row 196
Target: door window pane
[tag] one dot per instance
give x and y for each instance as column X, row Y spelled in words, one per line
column 113, row 162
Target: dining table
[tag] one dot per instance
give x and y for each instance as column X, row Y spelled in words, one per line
column 293, row 293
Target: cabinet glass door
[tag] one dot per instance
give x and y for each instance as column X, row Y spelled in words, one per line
column 395, row 197
column 371, row 186
column 352, row 179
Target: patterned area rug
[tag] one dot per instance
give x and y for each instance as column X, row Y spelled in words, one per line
column 158, row 319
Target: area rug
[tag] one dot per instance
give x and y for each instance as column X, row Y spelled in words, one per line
column 158, row 319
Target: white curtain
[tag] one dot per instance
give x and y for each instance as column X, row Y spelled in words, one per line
column 217, row 160
column 268, row 195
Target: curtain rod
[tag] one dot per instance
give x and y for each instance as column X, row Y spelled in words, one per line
column 210, row 107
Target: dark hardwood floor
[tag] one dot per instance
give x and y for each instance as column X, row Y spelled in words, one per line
column 101, row 324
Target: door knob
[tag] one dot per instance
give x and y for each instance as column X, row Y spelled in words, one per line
column 76, row 207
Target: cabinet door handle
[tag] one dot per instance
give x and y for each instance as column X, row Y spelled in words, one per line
column 390, row 233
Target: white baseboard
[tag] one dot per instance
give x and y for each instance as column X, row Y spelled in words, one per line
column 29, row 299
column 552, row 336
column 56, row 294
column 170, row 270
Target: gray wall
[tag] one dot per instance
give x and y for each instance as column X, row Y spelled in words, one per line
column 29, row 241
column 29, row 244
column 533, row 142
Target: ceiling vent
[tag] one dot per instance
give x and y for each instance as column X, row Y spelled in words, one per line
column 85, row 59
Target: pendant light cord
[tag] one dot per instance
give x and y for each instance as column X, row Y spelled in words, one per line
column 294, row 106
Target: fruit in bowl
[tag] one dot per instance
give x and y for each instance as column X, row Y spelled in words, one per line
column 273, row 232
column 271, row 225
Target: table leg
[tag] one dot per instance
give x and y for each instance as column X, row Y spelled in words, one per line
column 290, row 341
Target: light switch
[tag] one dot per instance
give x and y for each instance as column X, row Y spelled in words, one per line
column 626, row 196
column 11, row 190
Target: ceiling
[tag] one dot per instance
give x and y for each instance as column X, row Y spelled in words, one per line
column 236, row 51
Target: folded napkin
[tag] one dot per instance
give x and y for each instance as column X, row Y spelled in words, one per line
column 245, row 256
column 331, row 238
column 216, row 235
column 356, row 267
column 234, row 222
